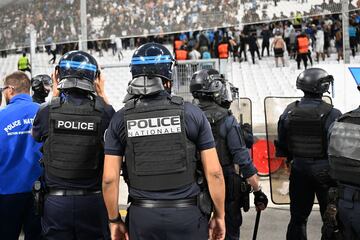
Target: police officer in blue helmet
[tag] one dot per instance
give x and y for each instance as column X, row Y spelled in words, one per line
column 160, row 138
column 72, row 126
column 215, row 94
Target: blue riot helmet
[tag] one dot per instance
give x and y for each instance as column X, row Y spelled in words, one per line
column 314, row 80
column 77, row 69
column 151, row 65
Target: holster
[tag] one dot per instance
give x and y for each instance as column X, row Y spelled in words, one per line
column 39, row 194
column 204, row 200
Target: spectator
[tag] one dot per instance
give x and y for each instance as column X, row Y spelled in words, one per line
column 119, row 48
column 302, row 48
column 319, row 44
column 53, row 53
column 182, row 53
column 287, row 33
column 278, row 45
column 20, row 156
column 243, row 42
column 339, row 44
column 194, row 54
column 353, row 33
column 266, row 35
column 203, row 42
column 254, row 47
column 224, row 49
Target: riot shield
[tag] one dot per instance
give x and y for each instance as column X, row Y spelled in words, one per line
column 279, row 171
column 242, row 110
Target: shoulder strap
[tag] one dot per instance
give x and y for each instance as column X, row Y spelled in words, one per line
column 177, row 100
column 130, row 104
column 55, row 102
column 325, row 108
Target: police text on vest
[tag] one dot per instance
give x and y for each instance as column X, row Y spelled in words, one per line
column 75, row 125
column 153, row 126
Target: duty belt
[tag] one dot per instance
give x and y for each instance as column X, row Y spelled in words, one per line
column 180, row 203
column 72, row 192
column 355, row 194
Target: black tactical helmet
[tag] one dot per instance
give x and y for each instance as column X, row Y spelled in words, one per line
column 209, row 83
column 41, row 84
column 77, row 69
column 152, row 60
column 314, row 80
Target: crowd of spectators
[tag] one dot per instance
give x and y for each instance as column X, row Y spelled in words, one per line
column 321, row 34
column 59, row 21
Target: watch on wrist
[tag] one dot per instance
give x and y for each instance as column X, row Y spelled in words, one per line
column 115, row 220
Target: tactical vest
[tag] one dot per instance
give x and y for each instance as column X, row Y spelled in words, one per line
column 73, row 148
column 158, row 154
column 344, row 149
column 216, row 116
column 307, row 134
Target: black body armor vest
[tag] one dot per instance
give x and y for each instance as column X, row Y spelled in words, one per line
column 307, row 134
column 73, row 148
column 216, row 116
column 344, row 149
column 158, row 154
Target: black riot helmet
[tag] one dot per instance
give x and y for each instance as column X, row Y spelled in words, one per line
column 77, row 69
column 208, row 83
column 152, row 60
column 41, row 84
column 314, row 80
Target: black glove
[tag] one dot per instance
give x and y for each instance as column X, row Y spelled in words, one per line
column 260, row 200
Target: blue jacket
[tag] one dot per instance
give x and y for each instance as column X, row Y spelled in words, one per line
column 19, row 153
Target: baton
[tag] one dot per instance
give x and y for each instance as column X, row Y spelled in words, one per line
column 258, row 214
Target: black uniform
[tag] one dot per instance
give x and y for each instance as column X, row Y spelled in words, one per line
column 231, row 150
column 302, row 133
column 345, row 168
column 71, row 128
column 159, row 136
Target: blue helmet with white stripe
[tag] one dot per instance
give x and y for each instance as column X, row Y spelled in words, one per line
column 152, row 60
column 77, row 69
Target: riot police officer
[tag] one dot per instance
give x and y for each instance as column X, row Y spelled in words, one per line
column 41, row 86
column 344, row 159
column 215, row 96
column 159, row 135
column 302, row 138
column 71, row 127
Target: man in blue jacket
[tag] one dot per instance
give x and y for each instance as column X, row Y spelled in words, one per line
column 19, row 160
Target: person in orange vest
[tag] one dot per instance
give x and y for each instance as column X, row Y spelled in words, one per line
column 223, row 49
column 181, row 54
column 177, row 44
column 302, row 46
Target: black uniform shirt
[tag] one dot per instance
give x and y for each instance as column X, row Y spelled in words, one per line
column 40, row 131
column 197, row 129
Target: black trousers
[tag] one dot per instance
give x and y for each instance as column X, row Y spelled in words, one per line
column 167, row 223
column 265, row 45
column 307, row 179
column 75, row 217
column 349, row 213
column 233, row 216
column 16, row 213
column 303, row 57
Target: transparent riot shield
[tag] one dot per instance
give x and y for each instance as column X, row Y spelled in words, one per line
column 242, row 110
column 279, row 171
